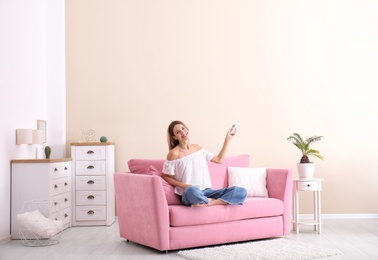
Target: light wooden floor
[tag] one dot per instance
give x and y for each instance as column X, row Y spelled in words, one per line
column 355, row 238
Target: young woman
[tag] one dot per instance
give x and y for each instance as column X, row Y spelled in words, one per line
column 186, row 168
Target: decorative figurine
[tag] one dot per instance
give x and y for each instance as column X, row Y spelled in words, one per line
column 47, row 152
column 103, row 139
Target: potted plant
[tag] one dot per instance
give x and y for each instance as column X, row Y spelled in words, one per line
column 305, row 167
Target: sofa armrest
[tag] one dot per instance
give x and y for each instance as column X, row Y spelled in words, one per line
column 279, row 183
column 142, row 209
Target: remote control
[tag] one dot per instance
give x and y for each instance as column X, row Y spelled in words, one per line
column 233, row 129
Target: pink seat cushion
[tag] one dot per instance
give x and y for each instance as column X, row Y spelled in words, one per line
column 252, row 208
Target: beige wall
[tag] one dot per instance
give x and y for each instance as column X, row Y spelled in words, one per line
column 273, row 67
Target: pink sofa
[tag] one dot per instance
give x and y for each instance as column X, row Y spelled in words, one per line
column 149, row 213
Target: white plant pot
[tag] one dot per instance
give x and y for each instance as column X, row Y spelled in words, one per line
column 306, row 170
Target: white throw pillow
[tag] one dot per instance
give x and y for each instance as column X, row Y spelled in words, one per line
column 252, row 179
column 38, row 224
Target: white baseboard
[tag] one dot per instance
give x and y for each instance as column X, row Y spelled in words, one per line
column 5, row 239
column 340, row 216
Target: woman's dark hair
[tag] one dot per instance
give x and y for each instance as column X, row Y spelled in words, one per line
column 172, row 143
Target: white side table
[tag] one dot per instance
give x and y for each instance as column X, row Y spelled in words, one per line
column 314, row 185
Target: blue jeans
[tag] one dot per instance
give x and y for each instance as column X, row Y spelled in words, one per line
column 232, row 195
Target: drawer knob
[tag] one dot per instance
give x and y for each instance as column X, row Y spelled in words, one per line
column 65, row 199
column 90, row 182
column 55, row 186
column 56, row 169
column 65, row 184
column 91, row 197
column 55, row 203
column 65, row 215
column 90, row 167
column 65, row 168
column 90, row 152
column 90, row 212
column 308, row 185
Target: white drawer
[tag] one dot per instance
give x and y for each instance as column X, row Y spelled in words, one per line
column 90, row 213
column 90, row 152
column 90, row 168
column 90, row 183
column 308, row 185
column 64, row 215
column 90, row 198
column 59, row 186
column 61, row 201
column 60, row 170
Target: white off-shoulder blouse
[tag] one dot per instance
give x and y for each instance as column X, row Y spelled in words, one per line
column 192, row 169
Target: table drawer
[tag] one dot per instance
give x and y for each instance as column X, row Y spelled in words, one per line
column 59, row 186
column 90, row 198
column 308, row 185
column 90, row 153
column 61, row 201
column 90, row 183
column 64, row 215
column 60, row 170
column 90, row 213
column 90, row 168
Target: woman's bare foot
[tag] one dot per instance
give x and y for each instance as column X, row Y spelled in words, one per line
column 198, row 205
column 212, row 202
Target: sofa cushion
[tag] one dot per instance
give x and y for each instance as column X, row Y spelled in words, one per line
column 252, row 179
column 219, row 171
column 252, row 208
column 142, row 165
column 169, row 190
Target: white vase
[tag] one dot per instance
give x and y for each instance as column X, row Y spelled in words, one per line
column 306, row 170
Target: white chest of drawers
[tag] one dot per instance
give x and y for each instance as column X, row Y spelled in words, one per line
column 41, row 179
column 93, row 192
